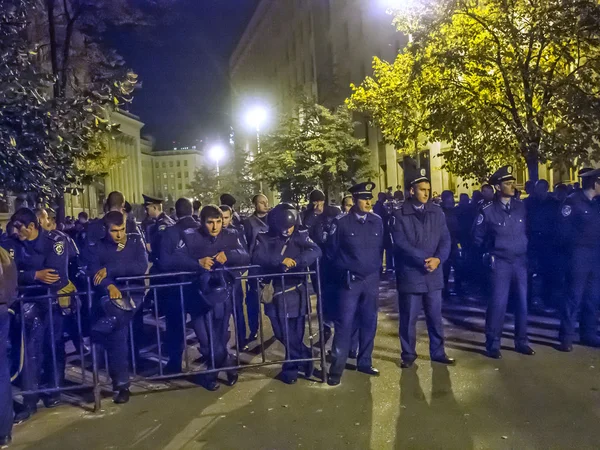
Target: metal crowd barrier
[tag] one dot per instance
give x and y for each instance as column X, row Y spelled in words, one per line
column 92, row 382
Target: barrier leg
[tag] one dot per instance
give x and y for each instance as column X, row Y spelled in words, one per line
column 95, row 377
column 158, row 342
column 320, row 320
column 260, row 324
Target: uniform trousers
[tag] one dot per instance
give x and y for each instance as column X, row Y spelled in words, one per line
column 38, row 367
column 583, row 292
column 409, row 306
column 252, row 308
column 292, row 338
column 240, row 321
column 6, row 403
column 357, row 309
column 504, row 275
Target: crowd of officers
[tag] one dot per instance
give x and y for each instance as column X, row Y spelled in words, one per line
column 495, row 238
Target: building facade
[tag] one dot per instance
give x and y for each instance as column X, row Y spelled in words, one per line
column 320, row 47
column 167, row 174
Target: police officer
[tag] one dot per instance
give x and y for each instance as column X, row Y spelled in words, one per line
column 347, row 204
column 160, row 223
column 118, row 254
column 454, row 260
column 580, row 232
column 381, row 210
column 240, row 325
column 229, row 200
column 42, row 260
column 175, row 255
column 422, row 245
column 285, row 248
column 8, row 286
column 355, row 246
column 253, row 225
column 196, row 205
column 317, row 219
column 500, row 231
column 187, row 248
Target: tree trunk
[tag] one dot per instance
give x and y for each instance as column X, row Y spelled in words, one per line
column 532, row 161
column 53, row 48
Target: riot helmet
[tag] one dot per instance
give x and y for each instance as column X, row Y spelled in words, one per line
column 282, row 218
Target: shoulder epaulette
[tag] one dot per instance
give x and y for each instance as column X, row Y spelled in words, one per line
column 486, row 205
column 54, row 235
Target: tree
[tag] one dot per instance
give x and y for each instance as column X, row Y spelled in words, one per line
column 234, row 178
column 314, row 148
column 501, row 82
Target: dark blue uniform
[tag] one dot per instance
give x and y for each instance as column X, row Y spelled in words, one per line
column 96, row 231
column 175, row 256
column 289, row 308
column 182, row 248
column 580, row 232
column 253, row 226
column 419, row 234
column 8, row 284
column 48, row 251
column 500, row 231
column 155, row 233
column 108, row 330
column 240, row 321
column 355, row 247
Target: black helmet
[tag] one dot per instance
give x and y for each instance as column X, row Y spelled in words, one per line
column 214, row 289
column 117, row 313
column 282, row 217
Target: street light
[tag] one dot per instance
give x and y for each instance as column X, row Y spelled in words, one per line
column 255, row 119
column 217, row 153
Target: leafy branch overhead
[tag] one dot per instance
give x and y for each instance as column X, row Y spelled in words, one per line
column 499, row 81
column 314, row 148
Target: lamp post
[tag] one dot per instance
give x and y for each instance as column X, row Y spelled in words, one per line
column 255, row 119
column 216, row 153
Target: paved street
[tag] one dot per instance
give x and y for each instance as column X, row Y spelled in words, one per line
column 551, row 400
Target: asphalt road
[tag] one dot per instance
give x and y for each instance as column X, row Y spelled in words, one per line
column 548, row 401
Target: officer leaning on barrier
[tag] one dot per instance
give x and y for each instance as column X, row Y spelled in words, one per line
column 285, row 248
column 216, row 248
column 500, row 232
column 422, row 245
column 118, row 254
column 8, row 286
column 580, row 232
column 355, row 246
column 42, row 259
column 175, row 255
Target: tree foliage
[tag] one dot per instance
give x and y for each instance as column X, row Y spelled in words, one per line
column 499, row 81
column 314, row 148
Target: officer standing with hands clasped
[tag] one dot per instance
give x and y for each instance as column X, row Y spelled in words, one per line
column 500, row 232
column 355, row 248
column 422, row 244
column 119, row 254
column 283, row 249
column 580, row 231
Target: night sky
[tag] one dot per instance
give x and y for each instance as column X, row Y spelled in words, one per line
column 183, row 65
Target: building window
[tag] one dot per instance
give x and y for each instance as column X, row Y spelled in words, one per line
column 172, row 175
column 185, row 163
column 179, row 186
column 178, row 163
column 164, row 164
column 170, row 163
column 156, row 165
column 164, row 175
column 178, row 174
column 187, row 174
column 166, row 187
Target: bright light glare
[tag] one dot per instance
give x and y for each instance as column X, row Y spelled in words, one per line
column 217, row 153
column 395, row 5
column 256, row 117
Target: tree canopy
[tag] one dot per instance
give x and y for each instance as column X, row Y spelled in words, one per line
column 314, row 148
column 501, row 82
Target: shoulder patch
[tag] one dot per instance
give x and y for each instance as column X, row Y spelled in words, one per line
column 479, row 219
column 162, row 227
column 566, row 210
column 339, row 216
column 189, row 231
column 59, row 248
column 333, row 228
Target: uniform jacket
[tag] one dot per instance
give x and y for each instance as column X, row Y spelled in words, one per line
column 129, row 261
column 175, row 251
column 267, row 254
column 416, row 237
column 319, row 225
column 155, row 233
column 579, row 226
column 96, row 231
column 8, row 278
column 501, row 233
column 254, row 225
column 354, row 246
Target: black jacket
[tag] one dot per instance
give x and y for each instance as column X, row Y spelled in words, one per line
column 417, row 236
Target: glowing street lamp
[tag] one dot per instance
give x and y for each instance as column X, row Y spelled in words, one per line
column 256, row 117
column 217, row 153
